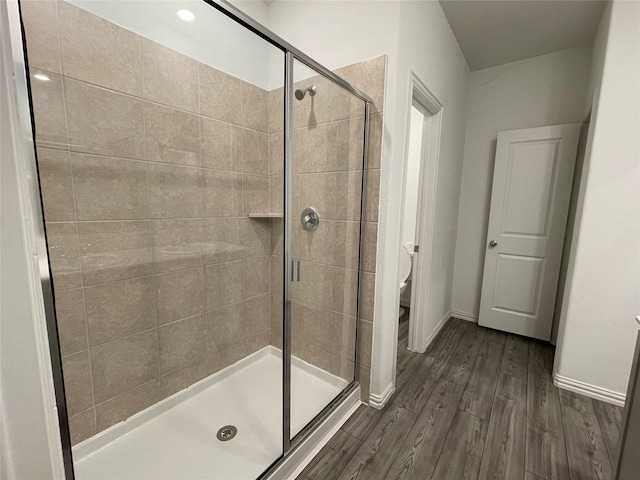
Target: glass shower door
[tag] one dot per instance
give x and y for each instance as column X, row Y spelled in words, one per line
column 326, row 191
column 157, row 131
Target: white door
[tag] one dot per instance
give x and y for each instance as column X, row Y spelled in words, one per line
column 532, row 181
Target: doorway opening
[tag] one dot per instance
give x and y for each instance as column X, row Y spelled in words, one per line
column 418, row 214
column 409, row 215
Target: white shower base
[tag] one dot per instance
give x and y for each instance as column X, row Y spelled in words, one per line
column 176, row 438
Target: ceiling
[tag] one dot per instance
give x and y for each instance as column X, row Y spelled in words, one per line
column 493, row 32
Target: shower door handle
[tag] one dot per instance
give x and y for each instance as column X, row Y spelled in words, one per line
column 295, row 270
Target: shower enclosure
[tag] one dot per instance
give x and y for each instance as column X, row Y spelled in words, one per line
column 202, row 188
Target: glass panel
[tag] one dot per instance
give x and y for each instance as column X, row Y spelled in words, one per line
column 154, row 126
column 328, row 139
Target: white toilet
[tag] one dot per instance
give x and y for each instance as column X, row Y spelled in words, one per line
column 406, row 264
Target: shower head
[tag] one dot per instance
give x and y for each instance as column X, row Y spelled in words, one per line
column 301, row 93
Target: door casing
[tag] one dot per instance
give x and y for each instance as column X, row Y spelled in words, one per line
column 422, row 328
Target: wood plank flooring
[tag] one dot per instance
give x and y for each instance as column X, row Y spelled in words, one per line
column 479, row 404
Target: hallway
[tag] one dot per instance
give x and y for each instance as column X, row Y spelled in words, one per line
column 478, row 404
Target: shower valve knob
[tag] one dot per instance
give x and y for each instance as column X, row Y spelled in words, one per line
column 310, row 219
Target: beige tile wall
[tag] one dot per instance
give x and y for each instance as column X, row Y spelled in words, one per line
column 327, row 175
column 369, row 77
column 150, row 164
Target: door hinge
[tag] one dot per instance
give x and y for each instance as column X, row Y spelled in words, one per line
column 416, row 248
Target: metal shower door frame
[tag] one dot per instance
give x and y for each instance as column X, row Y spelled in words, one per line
column 292, row 443
column 293, row 54
column 28, row 149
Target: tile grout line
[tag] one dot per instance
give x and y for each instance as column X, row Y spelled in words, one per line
column 72, row 148
column 167, row 272
column 148, row 200
column 75, row 207
column 198, row 113
column 143, row 99
column 81, row 150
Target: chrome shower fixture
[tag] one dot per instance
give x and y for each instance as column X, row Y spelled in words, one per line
column 301, row 93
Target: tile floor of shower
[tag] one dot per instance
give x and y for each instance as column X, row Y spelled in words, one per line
column 176, row 438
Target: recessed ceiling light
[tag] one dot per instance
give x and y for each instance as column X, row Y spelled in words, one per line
column 186, row 15
column 41, row 76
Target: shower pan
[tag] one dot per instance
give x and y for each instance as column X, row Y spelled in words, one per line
column 201, row 183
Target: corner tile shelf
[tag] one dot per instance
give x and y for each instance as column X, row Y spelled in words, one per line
column 265, row 215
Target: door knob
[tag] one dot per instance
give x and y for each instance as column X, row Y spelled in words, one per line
column 493, row 243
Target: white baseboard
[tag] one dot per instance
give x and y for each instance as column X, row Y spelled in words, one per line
column 469, row 317
column 379, row 401
column 432, row 335
column 436, row 330
column 588, row 390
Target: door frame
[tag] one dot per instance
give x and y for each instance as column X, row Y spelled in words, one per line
column 419, row 332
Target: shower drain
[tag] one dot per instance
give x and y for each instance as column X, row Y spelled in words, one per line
column 226, row 433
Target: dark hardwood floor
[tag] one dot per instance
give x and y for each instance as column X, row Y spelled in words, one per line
column 479, row 404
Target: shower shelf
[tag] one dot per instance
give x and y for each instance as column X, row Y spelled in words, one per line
column 265, row 215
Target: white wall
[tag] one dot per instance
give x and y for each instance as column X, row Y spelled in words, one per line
column 415, row 36
column 546, row 90
column 602, row 297
column 427, row 46
column 576, row 186
column 211, row 38
column 598, row 54
column 29, row 436
column 336, row 33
